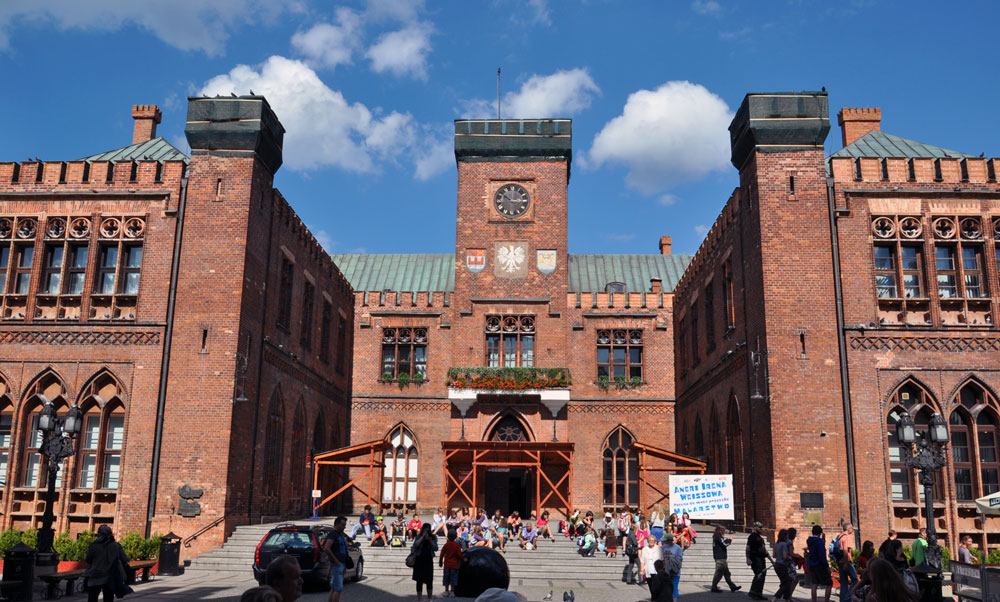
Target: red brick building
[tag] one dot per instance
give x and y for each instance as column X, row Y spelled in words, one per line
column 128, row 287
column 831, row 294
column 592, row 334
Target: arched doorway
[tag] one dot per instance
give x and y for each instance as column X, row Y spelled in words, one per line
column 509, row 488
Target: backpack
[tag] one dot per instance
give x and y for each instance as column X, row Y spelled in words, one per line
column 579, row 541
column 397, row 542
column 631, row 549
column 672, row 563
column 835, row 552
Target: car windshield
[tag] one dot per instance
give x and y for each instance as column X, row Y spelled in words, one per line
column 292, row 539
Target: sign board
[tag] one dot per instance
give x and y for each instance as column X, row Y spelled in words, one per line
column 317, row 493
column 703, row 496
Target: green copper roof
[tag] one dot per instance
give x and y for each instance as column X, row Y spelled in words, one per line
column 398, row 272
column 436, row 272
column 156, row 149
column 880, row 144
column 592, row 273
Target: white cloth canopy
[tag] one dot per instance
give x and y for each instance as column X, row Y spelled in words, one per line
column 989, row 504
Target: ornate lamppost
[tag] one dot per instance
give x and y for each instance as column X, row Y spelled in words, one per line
column 57, row 445
column 926, row 454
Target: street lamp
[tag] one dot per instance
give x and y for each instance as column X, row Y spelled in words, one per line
column 926, row 454
column 57, row 445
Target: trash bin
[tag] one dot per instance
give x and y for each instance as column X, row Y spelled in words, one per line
column 930, row 586
column 170, row 554
column 18, row 572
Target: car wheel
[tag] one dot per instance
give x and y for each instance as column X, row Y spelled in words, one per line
column 359, row 571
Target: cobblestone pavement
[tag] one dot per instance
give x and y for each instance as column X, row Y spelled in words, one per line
column 227, row 587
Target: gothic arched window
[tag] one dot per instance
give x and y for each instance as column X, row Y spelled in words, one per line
column 400, row 475
column 508, row 429
column 299, row 450
column 621, row 470
column 102, row 436
column 6, row 424
column 273, row 445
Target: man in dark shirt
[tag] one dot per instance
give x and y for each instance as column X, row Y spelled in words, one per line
column 719, row 544
column 366, row 521
column 883, row 550
column 756, row 558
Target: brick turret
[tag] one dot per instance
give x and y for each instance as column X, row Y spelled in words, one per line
column 665, row 242
column 855, row 123
column 146, row 118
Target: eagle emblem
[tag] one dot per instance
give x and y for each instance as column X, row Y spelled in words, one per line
column 510, row 258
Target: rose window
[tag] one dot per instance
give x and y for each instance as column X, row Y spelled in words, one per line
column 493, row 324
column 389, row 335
column 619, row 337
column 910, row 227
column 26, row 227
column 883, row 227
column 635, row 337
column 510, row 324
column 996, row 228
column 134, row 227
column 110, row 228
column 944, row 227
column 404, row 335
column 6, row 227
column 527, row 324
column 971, row 228
column 79, row 227
column 55, row 227
column 603, row 337
column 420, row 335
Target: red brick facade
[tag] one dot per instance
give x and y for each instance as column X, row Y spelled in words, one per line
column 766, row 402
column 248, row 393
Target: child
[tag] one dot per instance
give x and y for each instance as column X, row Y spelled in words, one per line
column 413, row 528
column 501, row 536
column 450, row 558
column 610, row 543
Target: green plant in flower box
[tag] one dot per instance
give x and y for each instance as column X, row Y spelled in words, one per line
column 387, row 376
column 403, row 379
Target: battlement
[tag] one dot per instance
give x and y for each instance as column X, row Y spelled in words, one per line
column 901, row 171
column 713, row 238
column 413, row 300
column 285, row 217
column 620, row 301
column 510, row 139
column 90, row 176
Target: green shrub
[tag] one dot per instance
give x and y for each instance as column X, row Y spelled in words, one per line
column 994, row 557
column 65, row 546
column 9, row 539
column 602, row 382
column 418, row 378
column 30, row 538
column 620, row 382
column 636, row 381
column 151, row 547
column 132, row 543
column 387, row 376
column 83, row 541
column 403, row 379
column 945, row 558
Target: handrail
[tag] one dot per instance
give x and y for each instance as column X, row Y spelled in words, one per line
column 187, row 541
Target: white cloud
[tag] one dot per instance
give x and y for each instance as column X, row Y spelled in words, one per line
column 561, row 94
column 322, row 128
column 540, row 10
column 701, row 230
column 667, row 199
column 709, row 8
column 676, row 133
column 435, row 159
column 398, row 10
column 326, row 45
column 403, row 52
column 323, row 238
column 201, row 25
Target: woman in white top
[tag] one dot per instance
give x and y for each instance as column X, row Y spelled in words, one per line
column 647, row 559
column 656, row 520
column 437, row 523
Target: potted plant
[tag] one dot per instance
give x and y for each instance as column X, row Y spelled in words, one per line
column 635, row 381
column 620, row 382
column 387, row 377
column 603, row 382
column 403, row 380
column 418, row 378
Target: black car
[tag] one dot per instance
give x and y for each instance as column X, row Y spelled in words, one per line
column 304, row 542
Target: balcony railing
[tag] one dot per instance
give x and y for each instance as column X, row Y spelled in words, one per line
column 508, row 379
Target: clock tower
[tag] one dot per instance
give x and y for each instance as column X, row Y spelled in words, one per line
column 511, row 222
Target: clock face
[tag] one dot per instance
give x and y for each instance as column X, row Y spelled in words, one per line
column 511, row 200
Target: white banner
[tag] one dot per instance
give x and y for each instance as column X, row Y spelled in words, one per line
column 702, row 496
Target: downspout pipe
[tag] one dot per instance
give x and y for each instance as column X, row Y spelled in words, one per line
column 745, row 206
column 168, row 335
column 845, row 381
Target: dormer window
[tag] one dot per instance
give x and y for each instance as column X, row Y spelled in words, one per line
column 614, row 287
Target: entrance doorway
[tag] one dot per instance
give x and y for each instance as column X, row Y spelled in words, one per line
column 508, row 489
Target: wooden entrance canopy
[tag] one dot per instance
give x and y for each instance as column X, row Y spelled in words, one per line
column 551, row 462
column 648, row 455
column 374, row 467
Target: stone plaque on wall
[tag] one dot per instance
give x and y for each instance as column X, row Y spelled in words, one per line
column 510, row 259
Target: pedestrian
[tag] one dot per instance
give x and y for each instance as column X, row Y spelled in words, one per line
column 642, row 533
column 285, row 576
column 882, row 583
column 866, row 555
column 263, row 593
column 819, row 564
column 720, row 545
column 845, row 562
column 450, row 559
column 964, row 553
column 624, row 526
column 883, row 550
column 657, row 521
column 610, row 543
column 896, row 557
column 423, row 549
column 918, row 552
column 662, row 587
column 335, row 547
column 632, row 553
column 365, row 522
column 647, row 562
column 673, row 557
column 757, row 556
column 107, row 567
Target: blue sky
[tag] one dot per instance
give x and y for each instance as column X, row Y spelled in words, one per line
column 368, row 90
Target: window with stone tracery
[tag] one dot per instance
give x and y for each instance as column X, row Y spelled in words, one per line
column 510, row 341
column 399, row 477
column 404, row 351
column 619, row 353
column 899, row 270
column 508, row 429
column 961, row 274
column 621, row 470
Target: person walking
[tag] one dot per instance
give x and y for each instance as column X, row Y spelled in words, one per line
column 720, row 553
column 423, row 549
column 662, row 586
column 673, row 558
column 450, row 559
column 845, row 562
column 918, row 552
column 656, row 522
column 964, row 553
column 107, row 567
column 647, row 562
column 632, row 553
column 819, row 564
column 782, row 558
column 757, row 556
column 335, row 547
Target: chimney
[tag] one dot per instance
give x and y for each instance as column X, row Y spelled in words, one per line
column 665, row 242
column 655, row 285
column 855, row 123
column 146, row 117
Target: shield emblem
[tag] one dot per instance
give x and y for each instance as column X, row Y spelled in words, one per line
column 546, row 261
column 475, row 259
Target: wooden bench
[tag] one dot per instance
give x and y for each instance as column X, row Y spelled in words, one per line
column 140, row 565
column 52, row 582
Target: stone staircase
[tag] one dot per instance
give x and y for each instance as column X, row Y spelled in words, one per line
column 553, row 561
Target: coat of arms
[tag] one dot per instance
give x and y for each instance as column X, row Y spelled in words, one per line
column 546, row 261
column 475, row 259
column 511, row 260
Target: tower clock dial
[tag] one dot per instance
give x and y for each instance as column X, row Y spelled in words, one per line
column 511, row 200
